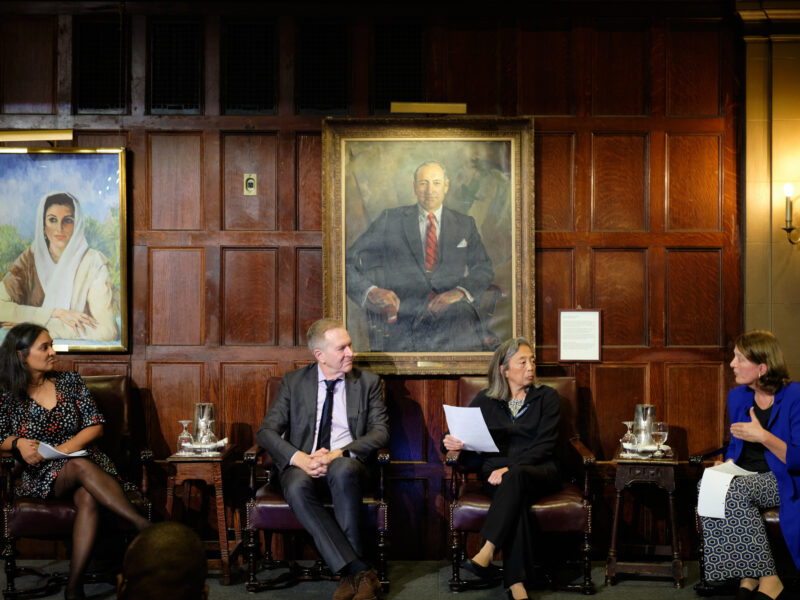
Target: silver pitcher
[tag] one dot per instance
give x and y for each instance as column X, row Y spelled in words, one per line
column 204, row 423
column 643, row 424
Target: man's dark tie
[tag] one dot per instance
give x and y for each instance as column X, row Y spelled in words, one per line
column 324, row 438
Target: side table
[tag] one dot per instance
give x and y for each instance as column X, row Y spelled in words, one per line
column 208, row 469
column 653, row 471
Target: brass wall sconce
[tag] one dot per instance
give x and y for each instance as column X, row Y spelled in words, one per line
column 788, row 191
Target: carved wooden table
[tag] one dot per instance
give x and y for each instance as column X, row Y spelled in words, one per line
column 208, row 469
column 653, row 471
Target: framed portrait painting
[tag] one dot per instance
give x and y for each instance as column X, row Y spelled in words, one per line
column 63, row 261
column 428, row 238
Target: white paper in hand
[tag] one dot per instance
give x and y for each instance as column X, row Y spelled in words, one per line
column 467, row 424
column 49, row 453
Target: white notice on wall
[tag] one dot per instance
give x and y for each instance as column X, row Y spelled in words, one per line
column 579, row 335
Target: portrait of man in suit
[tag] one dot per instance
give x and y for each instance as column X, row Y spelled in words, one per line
column 420, row 270
column 327, row 421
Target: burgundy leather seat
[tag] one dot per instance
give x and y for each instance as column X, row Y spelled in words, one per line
column 52, row 519
column 268, row 511
column 567, row 511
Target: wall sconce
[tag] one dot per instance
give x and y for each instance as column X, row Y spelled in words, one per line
column 788, row 191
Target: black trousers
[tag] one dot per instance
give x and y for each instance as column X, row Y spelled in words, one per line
column 336, row 535
column 509, row 524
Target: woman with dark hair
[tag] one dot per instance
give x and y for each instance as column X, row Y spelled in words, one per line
column 39, row 404
column 59, row 282
column 523, row 419
column 765, row 438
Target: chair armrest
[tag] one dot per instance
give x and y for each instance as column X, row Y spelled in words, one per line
column 451, row 458
column 697, row 460
column 384, row 457
column 251, row 454
column 587, row 456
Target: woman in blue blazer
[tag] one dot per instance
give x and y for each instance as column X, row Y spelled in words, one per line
column 765, row 437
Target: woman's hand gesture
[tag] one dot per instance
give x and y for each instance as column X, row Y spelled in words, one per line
column 749, row 431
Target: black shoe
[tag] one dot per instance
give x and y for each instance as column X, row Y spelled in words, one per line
column 763, row 596
column 490, row 572
column 744, row 594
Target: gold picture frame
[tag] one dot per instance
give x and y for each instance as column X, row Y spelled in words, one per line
column 480, row 271
column 68, row 271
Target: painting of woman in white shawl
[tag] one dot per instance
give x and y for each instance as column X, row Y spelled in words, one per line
column 58, row 281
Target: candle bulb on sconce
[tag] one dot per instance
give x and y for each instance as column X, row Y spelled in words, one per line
column 788, row 191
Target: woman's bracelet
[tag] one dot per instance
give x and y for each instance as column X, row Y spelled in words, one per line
column 15, row 451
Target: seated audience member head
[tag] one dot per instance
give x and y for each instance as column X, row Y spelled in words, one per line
column 762, row 348
column 331, row 346
column 166, row 560
column 511, row 363
column 15, row 375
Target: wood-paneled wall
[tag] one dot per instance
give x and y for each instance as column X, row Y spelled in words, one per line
column 637, row 213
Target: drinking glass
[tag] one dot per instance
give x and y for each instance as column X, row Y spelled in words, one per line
column 660, row 434
column 184, row 437
column 628, row 440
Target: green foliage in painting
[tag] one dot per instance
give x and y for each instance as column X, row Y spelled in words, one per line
column 12, row 244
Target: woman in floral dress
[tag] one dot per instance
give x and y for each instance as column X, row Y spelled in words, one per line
column 38, row 404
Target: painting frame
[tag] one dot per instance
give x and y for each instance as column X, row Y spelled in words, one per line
column 96, row 250
column 346, row 139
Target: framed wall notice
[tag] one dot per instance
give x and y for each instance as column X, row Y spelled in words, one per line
column 579, row 335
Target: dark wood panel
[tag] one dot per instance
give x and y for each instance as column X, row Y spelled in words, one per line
column 244, row 387
column 693, row 182
column 470, row 73
column 555, row 276
column 254, row 154
column 309, row 181
column 100, row 139
column 619, row 179
column 616, row 390
column 407, row 405
column 408, row 499
column 620, row 290
column 695, row 416
column 308, row 293
column 554, row 155
column 693, row 56
column 620, row 61
column 174, row 389
column 28, row 65
column 176, row 180
column 176, row 296
column 101, row 368
column 249, row 304
column 693, row 290
column 546, row 73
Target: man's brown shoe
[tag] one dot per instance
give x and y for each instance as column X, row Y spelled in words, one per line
column 346, row 588
column 367, row 586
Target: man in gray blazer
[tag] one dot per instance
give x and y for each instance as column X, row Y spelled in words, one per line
column 326, row 421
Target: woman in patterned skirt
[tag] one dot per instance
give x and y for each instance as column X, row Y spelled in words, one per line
column 765, row 438
column 38, row 404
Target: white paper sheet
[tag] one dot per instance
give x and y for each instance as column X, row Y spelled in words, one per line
column 467, row 424
column 714, row 486
column 48, row 452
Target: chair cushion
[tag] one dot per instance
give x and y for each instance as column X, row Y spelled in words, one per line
column 270, row 511
column 34, row 517
column 562, row 511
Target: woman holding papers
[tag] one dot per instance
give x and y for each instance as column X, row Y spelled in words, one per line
column 523, row 420
column 39, row 404
column 765, row 438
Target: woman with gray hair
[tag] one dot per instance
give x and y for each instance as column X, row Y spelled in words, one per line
column 524, row 420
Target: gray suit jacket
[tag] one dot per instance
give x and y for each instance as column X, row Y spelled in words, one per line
column 289, row 423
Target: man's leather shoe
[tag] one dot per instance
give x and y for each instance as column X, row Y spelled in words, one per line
column 346, row 588
column 367, row 585
column 490, row 572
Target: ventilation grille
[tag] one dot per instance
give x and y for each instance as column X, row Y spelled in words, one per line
column 398, row 71
column 100, row 65
column 323, row 75
column 249, row 67
column 176, row 66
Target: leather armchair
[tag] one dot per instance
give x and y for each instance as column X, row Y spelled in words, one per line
column 53, row 519
column 268, row 511
column 568, row 511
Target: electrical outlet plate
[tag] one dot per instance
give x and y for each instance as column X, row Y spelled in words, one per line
column 250, row 184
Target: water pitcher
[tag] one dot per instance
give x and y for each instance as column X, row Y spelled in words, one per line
column 643, row 424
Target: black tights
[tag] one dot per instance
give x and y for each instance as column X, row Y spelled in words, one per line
column 91, row 487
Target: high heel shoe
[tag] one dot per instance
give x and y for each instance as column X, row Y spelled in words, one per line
column 490, row 572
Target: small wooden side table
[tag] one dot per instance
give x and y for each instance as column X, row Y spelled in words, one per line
column 654, row 471
column 208, row 469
